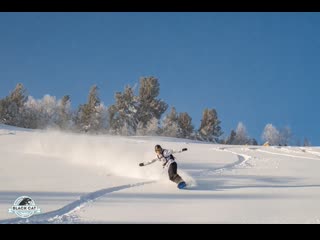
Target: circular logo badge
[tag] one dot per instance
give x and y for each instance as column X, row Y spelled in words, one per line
column 24, row 207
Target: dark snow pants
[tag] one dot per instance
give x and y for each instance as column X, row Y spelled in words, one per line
column 173, row 176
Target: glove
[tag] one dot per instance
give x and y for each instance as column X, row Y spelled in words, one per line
column 141, row 164
column 184, row 149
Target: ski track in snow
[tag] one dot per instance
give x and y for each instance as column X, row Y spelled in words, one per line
column 287, row 155
column 66, row 214
column 311, row 152
column 242, row 159
column 302, row 150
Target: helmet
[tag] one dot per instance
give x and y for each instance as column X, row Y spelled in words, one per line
column 158, row 148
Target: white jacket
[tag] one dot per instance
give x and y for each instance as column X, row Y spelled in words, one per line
column 165, row 158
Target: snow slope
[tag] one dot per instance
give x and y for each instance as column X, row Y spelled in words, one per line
column 77, row 178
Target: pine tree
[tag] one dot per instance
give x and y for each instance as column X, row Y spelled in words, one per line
column 113, row 122
column 64, row 113
column 253, row 141
column 232, row 138
column 18, row 96
column 149, row 106
column 185, row 125
column 82, row 118
column 152, row 128
column 89, row 115
column 12, row 106
column 122, row 115
column 3, row 109
column 209, row 129
column 170, row 125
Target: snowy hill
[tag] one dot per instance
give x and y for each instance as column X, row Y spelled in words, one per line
column 77, row 178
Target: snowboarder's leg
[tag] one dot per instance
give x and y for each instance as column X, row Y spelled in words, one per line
column 173, row 176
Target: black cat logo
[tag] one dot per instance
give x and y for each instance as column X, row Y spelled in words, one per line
column 25, row 202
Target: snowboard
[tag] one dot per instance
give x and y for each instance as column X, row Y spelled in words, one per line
column 182, row 185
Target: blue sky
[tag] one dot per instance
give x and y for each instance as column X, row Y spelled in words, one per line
column 256, row 68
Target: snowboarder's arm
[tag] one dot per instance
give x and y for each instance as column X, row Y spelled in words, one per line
column 178, row 151
column 148, row 162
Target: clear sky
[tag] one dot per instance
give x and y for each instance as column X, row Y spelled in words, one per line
column 256, row 68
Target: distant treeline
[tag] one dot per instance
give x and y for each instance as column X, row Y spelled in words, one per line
column 131, row 114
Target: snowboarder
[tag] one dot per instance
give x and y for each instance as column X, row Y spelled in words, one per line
column 168, row 161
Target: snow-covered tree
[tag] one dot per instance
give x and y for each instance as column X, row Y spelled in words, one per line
column 152, row 128
column 3, row 109
column 253, row 141
column 241, row 135
column 210, row 129
column 11, row 107
column 103, row 116
column 123, row 114
column 89, row 116
column 185, row 125
column 141, row 130
column 170, row 125
column 149, row 106
column 271, row 134
column 41, row 113
column 18, row 96
column 113, row 122
column 49, row 111
column 64, row 118
column 285, row 136
column 232, row 138
column 31, row 113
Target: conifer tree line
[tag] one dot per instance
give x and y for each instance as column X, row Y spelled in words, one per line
column 130, row 114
